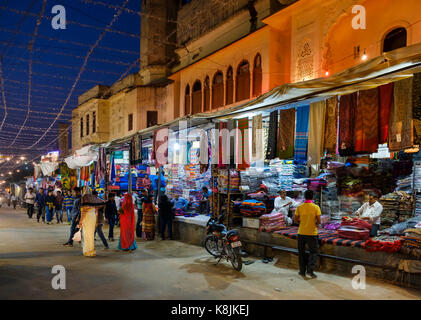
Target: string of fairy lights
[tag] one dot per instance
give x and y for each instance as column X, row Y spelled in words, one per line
column 22, row 144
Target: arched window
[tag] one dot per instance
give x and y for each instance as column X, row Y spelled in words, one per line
column 197, row 97
column 242, row 91
column 187, row 101
column 257, row 76
column 230, row 87
column 218, row 90
column 395, row 39
column 207, row 94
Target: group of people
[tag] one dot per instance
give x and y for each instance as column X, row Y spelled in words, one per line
column 12, row 200
column 49, row 204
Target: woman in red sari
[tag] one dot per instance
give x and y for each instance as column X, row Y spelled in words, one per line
column 127, row 225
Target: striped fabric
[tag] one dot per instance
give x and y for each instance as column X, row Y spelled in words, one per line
column 301, row 134
column 366, row 136
column 325, row 237
column 242, row 145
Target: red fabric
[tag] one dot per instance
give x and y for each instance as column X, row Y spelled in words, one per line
column 366, row 132
column 127, row 222
column 357, row 223
column 387, row 246
column 354, row 234
column 386, row 98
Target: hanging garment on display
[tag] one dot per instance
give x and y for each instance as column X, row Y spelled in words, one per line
column 400, row 130
column 366, row 132
column 331, row 126
column 232, row 126
column 273, row 136
column 204, row 151
column 101, row 165
column 301, row 134
column 160, row 147
column 257, row 138
column 286, row 134
column 385, row 100
column 347, row 110
column 223, row 145
column 416, row 107
column 242, row 145
column 316, row 132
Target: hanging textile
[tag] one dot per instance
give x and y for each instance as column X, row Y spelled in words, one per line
column 316, row 132
column 242, row 145
column 273, row 136
column 112, row 170
column 385, row 100
column 366, row 134
column 416, row 107
column 204, row 151
column 223, row 146
column 160, row 147
column 400, row 129
column 231, row 126
column 347, row 110
column 301, row 134
column 286, row 133
column 257, row 136
column 101, row 166
column 331, row 126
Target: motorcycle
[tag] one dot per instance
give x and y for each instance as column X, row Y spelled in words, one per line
column 222, row 243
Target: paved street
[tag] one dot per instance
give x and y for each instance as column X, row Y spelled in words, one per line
column 158, row 270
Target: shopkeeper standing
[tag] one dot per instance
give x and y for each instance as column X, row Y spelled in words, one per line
column 371, row 212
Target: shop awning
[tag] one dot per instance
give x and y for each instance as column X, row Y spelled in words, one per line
column 82, row 157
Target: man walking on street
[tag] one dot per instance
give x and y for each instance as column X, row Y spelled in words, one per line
column 75, row 216
column 59, row 206
column 111, row 214
column 14, row 201
column 40, row 202
column 68, row 204
column 30, row 200
column 307, row 215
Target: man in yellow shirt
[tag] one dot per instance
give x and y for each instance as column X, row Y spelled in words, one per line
column 307, row 215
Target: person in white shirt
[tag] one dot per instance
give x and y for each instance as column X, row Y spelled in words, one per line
column 14, row 201
column 371, row 212
column 282, row 205
column 30, row 200
column 117, row 200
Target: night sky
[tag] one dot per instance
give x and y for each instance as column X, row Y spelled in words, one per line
column 57, row 59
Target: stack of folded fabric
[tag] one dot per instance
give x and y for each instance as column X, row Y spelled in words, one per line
column 354, row 228
column 417, row 187
column 397, row 207
column 271, row 222
column 412, row 238
column 252, row 208
column 332, row 226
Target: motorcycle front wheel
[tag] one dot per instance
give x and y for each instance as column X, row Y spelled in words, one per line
column 211, row 245
column 235, row 258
